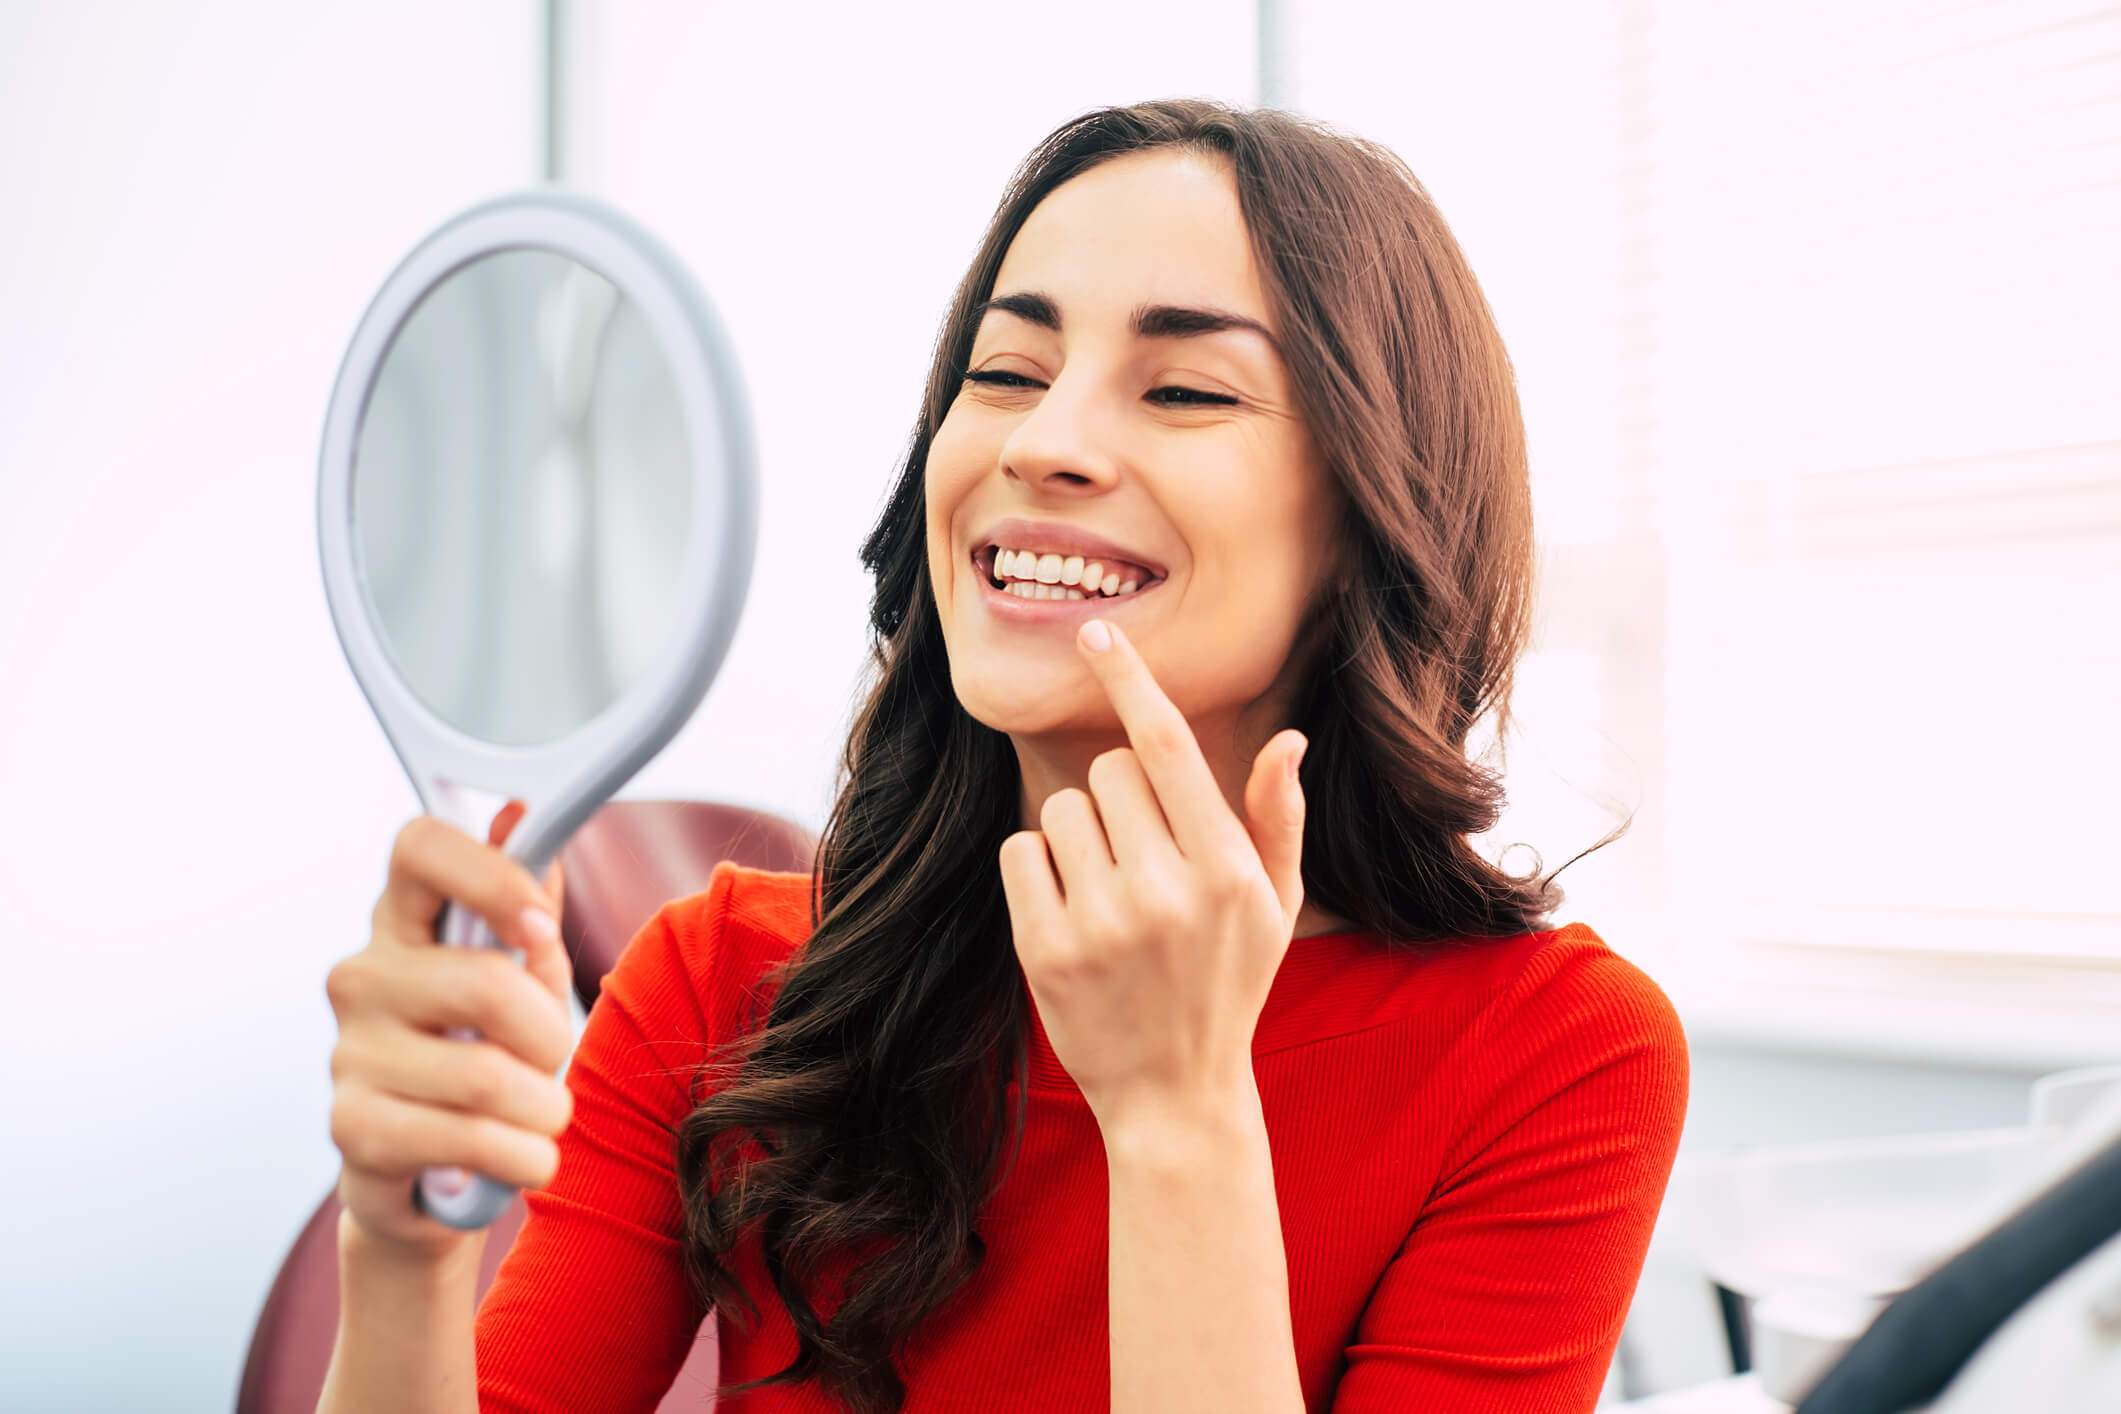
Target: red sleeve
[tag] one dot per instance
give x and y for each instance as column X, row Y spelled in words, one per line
column 1508, row 1295
column 590, row 1311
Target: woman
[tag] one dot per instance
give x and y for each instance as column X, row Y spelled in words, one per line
column 1102, row 1063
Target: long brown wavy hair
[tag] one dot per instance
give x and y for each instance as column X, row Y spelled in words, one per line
column 872, row 1097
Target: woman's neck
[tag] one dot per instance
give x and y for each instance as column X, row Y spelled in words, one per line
column 1312, row 921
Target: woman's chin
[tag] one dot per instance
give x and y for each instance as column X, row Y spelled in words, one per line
column 1027, row 705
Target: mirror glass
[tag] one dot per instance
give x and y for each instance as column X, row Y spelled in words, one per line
column 521, row 488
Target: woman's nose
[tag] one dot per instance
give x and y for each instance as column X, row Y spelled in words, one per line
column 1068, row 438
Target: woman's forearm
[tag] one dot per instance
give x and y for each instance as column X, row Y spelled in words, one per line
column 405, row 1330
column 1198, row 1277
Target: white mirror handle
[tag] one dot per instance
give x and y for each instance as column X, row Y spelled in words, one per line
column 455, row 1197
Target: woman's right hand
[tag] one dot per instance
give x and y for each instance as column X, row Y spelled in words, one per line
column 405, row 1096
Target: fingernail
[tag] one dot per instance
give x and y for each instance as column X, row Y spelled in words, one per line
column 449, row 1182
column 1096, row 637
column 1297, row 756
column 539, row 924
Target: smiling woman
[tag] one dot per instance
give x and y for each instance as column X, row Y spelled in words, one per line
column 1103, row 1062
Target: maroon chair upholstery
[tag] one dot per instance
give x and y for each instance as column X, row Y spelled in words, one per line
column 632, row 857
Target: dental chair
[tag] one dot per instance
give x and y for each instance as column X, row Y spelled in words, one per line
column 630, row 858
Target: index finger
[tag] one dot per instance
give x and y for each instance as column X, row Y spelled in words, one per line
column 1201, row 819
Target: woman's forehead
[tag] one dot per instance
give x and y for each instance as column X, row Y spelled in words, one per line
column 1158, row 227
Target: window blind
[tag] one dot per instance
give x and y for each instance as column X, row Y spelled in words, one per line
column 1878, row 377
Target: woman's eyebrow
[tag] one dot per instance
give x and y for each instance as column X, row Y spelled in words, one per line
column 1150, row 321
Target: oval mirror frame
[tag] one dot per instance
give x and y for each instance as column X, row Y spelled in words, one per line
column 564, row 781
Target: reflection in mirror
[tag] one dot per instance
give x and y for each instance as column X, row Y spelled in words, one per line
column 520, row 496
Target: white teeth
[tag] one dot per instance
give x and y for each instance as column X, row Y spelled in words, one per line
column 1051, row 576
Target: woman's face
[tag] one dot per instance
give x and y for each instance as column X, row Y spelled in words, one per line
column 1125, row 385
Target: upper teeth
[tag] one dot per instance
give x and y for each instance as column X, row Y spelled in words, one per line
column 1049, row 570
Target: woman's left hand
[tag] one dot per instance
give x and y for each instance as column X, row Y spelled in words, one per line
column 1151, row 922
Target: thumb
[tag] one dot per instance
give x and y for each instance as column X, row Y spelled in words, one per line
column 551, row 966
column 504, row 823
column 1274, row 816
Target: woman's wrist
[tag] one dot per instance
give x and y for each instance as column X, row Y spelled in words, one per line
column 1180, row 1134
column 407, row 1316
column 442, row 1262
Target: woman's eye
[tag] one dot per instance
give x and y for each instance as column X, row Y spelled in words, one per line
column 1000, row 380
column 1178, row 396
column 1192, row 397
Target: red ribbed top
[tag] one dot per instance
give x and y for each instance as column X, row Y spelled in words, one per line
column 1470, row 1144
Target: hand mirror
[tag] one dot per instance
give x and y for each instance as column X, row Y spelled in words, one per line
column 536, row 513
